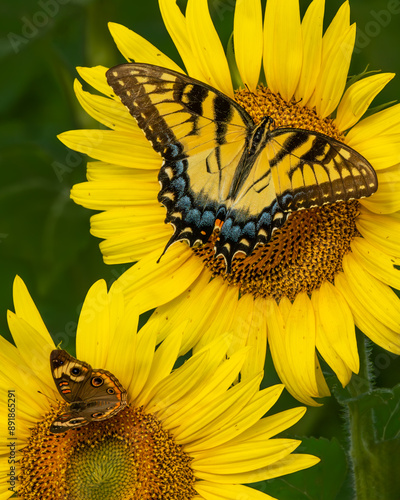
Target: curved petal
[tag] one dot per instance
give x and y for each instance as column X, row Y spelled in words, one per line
column 247, row 32
column 383, row 231
column 384, row 122
column 175, row 23
column 155, row 283
column 282, row 42
column 110, row 146
column 311, row 27
column 214, row 491
column 96, row 77
column 386, row 200
column 382, row 151
column 358, row 97
column 207, row 48
column 378, row 298
column 367, row 322
column 136, row 48
column 336, row 339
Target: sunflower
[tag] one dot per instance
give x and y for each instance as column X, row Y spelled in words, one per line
column 326, row 269
column 184, row 433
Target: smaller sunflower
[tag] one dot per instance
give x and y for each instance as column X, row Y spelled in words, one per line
column 185, row 433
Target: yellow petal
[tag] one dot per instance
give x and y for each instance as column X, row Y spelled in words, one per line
column 112, row 194
column 377, row 297
column 102, row 171
column 383, row 231
column 376, row 262
column 283, row 46
column 96, row 77
column 386, row 121
column 109, row 112
column 382, row 151
column 248, row 41
column 250, row 329
column 26, row 309
column 282, row 352
column 136, row 48
column 334, row 70
column 386, row 200
column 358, row 97
column 154, row 283
column 34, row 351
column 175, row 23
column 207, row 48
column 311, row 27
column 208, row 306
column 214, row 491
column 94, row 326
column 112, row 147
column 336, row 332
column 300, row 342
column 367, row 322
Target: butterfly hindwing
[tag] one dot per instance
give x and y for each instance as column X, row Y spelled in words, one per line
column 221, row 170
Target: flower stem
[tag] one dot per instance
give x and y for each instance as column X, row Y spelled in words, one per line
column 367, row 456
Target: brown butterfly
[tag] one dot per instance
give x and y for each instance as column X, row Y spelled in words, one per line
column 93, row 394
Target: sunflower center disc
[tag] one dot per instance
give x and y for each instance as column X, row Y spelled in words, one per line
column 309, row 248
column 127, row 457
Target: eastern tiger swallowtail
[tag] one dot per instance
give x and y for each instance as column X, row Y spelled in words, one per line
column 222, row 171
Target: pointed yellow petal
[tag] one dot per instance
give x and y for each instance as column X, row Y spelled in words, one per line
column 32, row 348
column 100, row 171
column 282, row 358
column 175, row 23
column 377, row 297
column 207, row 48
column 109, row 112
column 386, row 200
column 112, row 147
column 136, row 48
column 383, row 231
column 283, row 46
column 251, row 330
column 154, row 283
column 248, row 41
column 26, row 309
column 114, row 194
column 367, row 322
column 376, row 262
column 382, row 151
column 311, row 27
column 336, row 332
column 215, row 491
column 381, row 123
column 93, row 326
column 334, row 70
column 96, row 77
column 358, row 97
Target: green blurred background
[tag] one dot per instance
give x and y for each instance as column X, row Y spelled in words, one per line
column 44, row 236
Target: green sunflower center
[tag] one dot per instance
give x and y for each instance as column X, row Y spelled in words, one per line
column 309, row 248
column 127, row 457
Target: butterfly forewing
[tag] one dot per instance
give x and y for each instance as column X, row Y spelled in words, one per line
column 220, row 169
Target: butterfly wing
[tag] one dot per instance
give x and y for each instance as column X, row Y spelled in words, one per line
column 311, row 169
column 201, row 135
column 296, row 169
column 91, row 394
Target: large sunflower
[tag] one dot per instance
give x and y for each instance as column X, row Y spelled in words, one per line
column 327, row 269
column 185, row 433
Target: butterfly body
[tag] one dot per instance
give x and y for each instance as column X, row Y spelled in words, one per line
column 92, row 394
column 223, row 172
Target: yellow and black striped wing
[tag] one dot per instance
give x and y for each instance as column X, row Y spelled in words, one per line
column 311, row 169
column 201, row 135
